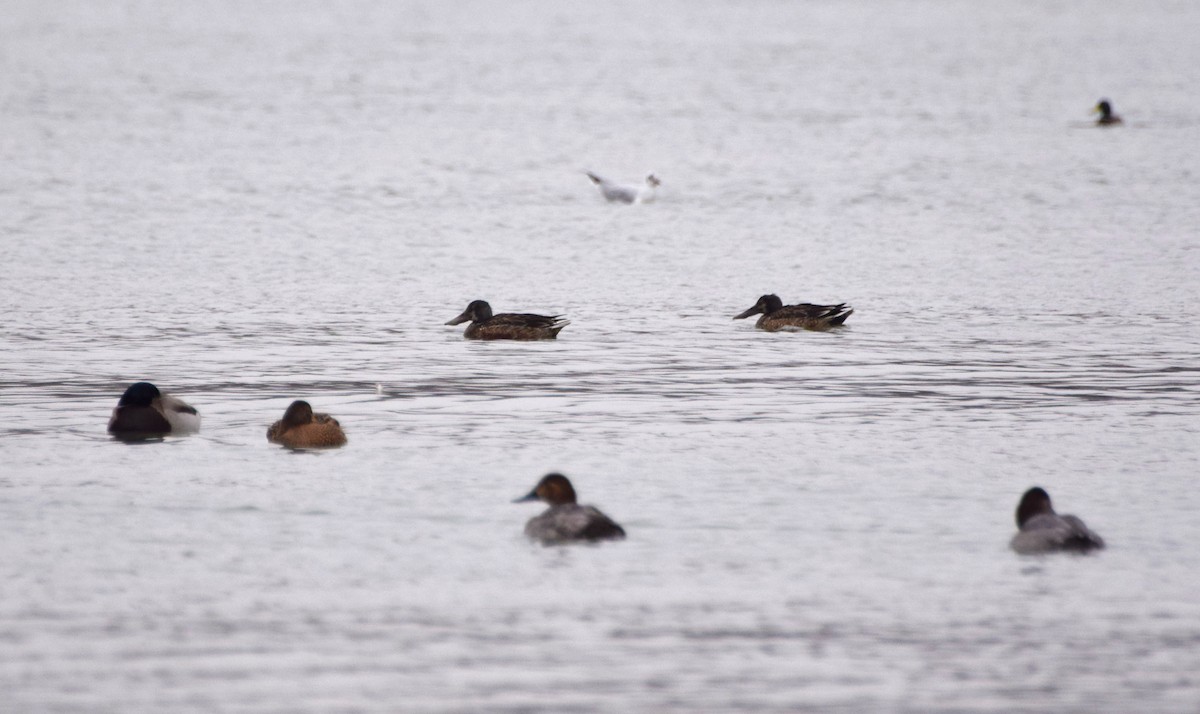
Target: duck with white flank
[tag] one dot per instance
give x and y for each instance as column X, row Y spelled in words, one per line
column 144, row 412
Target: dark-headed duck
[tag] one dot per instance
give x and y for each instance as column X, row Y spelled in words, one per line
column 300, row 428
column 566, row 521
column 805, row 316
column 1107, row 117
column 507, row 325
column 145, row 412
column 1044, row 531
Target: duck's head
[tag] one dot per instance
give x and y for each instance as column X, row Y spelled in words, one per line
column 478, row 310
column 554, row 489
column 1035, row 502
column 1103, row 108
column 766, row 305
column 139, row 394
column 298, row 413
column 653, row 181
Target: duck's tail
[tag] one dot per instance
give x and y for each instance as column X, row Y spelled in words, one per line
column 595, row 179
column 841, row 313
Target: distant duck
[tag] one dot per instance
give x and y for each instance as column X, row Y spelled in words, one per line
column 300, row 428
column 566, row 521
column 777, row 316
column 1105, row 110
column 143, row 412
column 626, row 193
column 507, row 325
column 1041, row 530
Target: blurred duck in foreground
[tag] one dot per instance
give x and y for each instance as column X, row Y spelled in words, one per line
column 777, row 316
column 507, row 325
column 1105, row 110
column 144, row 412
column 1044, row 531
column 624, row 193
column 566, row 521
column 300, row 428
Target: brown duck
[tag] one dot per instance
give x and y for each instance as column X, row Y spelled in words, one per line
column 507, row 325
column 805, row 316
column 300, row 428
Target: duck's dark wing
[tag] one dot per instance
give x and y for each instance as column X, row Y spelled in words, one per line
column 832, row 314
column 600, row 526
column 523, row 319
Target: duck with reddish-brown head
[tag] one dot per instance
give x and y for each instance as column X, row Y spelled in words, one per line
column 566, row 521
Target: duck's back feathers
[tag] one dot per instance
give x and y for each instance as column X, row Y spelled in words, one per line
column 514, row 326
column 1044, row 531
column 806, row 316
column 1050, row 532
column 572, row 522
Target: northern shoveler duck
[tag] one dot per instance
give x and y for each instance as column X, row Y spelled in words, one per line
column 566, row 521
column 507, row 325
column 145, row 412
column 1107, row 118
column 1041, row 530
column 624, row 193
column 777, row 316
column 300, row 428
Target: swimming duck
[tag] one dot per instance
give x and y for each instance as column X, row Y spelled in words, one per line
column 1043, row 531
column 566, row 520
column 624, row 193
column 143, row 411
column 507, row 325
column 300, row 428
column 1107, row 118
column 777, row 316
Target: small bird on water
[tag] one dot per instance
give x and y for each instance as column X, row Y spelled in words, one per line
column 1107, row 117
column 566, row 521
column 625, row 193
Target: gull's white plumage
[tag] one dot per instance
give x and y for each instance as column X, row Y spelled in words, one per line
column 626, row 193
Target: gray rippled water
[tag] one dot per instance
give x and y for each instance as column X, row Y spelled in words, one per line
column 249, row 204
